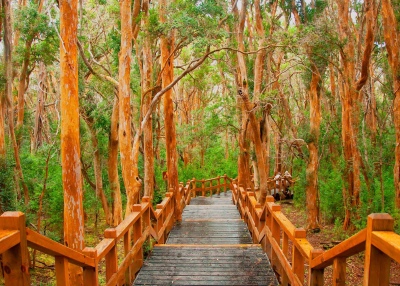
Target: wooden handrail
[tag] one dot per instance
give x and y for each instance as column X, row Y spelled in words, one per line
column 273, row 230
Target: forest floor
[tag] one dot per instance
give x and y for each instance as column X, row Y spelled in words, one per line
column 328, row 237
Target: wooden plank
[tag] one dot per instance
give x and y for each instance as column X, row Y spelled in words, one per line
column 50, row 247
column 8, row 239
column 388, row 242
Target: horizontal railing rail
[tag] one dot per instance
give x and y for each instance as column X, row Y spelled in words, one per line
column 290, row 252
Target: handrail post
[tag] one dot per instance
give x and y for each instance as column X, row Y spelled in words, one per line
column 225, row 183
column 316, row 276
column 111, row 256
column 377, row 263
column 276, row 236
column 90, row 274
column 298, row 259
column 15, row 259
column 219, row 185
column 138, row 258
column 339, row 271
column 202, row 188
column 194, row 186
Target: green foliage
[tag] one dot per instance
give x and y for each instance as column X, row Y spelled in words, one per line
column 36, row 28
column 7, row 189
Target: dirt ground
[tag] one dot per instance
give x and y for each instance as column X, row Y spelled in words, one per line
column 330, row 236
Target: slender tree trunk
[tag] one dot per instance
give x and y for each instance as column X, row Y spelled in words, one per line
column 129, row 166
column 70, row 147
column 22, row 86
column 312, row 166
column 9, row 98
column 148, row 128
column 39, row 114
column 97, row 171
column 392, row 39
column 167, row 47
column 113, row 166
column 2, row 128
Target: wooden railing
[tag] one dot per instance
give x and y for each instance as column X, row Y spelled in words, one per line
column 210, row 186
column 290, row 252
column 143, row 224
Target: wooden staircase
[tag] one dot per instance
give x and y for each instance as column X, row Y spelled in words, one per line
column 211, row 246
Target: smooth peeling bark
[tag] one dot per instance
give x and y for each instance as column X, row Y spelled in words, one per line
column 129, row 166
column 70, row 148
column 148, row 127
column 312, row 166
column 113, row 177
column 39, row 114
column 392, row 39
column 167, row 47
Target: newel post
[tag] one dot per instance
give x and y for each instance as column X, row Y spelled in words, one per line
column 377, row 263
column 15, row 259
column 202, row 188
column 225, row 183
column 90, row 274
column 297, row 258
column 276, row 237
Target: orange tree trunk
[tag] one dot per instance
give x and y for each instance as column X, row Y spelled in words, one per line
column 392, row 39
column 148, row 127
column 312, row 166
column 113, row 166
column 167, row 47
column 70, row 148
column 2, row 128
column 129, row 166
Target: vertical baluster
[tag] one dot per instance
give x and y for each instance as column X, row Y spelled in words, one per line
column 339, row 272
column 276, row 236
column 285, row 248
column 111, row 256
column 225, row 181
column 61, row 266
column 298, row 259
column 202, row 188
column 137, row 235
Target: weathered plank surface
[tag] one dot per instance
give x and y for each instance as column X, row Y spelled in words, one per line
column 211, row 246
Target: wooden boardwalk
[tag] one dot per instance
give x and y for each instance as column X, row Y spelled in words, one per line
column 211, row 246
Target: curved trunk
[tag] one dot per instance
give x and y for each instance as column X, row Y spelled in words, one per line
column 41, row 98
column 70, row 148
column 113, row 166
column 312, row 166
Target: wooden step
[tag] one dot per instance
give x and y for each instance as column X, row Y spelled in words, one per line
column 193, row 265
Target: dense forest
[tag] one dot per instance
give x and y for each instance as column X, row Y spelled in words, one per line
column 101, row 101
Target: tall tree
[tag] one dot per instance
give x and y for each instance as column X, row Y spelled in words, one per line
column 167, row 77
column 392, row 39
column 70, row 147
column 146, row 99
column 129, row 164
